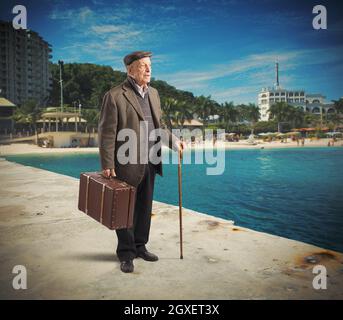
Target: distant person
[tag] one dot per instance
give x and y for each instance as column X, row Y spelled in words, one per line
column 303, row 141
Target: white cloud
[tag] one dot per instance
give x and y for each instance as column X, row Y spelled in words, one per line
column 106, row 29
column 86, row 36
column 84, row 14
column 73, row 15
column 109, row 30
column 253, row 72
column 104, row 34
column 247, row 64
column 233, row 92
column 254, row 68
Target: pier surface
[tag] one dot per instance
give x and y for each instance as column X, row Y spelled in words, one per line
column 68, row 255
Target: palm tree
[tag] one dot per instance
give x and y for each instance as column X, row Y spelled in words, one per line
column 169, row 107
column 92, row 118
column 214, row 108
column 203, row 108
column 334, row 120
column 241, row 112
column 229, row 114
column 182, row 113
column 29, row 112
column 338, row 105
column 252, row 113
column 297, row 117
column 281, row 112
column 312, row 120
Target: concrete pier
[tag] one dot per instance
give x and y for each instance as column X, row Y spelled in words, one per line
column 68, row 255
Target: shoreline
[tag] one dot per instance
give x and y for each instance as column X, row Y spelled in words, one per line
column 25, row 148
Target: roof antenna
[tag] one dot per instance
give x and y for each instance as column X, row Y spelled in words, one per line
column 277, row 73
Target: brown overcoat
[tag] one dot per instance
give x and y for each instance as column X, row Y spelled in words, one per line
column 121, row 109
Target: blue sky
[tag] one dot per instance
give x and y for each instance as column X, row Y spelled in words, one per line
column 226, row 49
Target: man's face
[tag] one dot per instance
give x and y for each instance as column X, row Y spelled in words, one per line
column 140, row 70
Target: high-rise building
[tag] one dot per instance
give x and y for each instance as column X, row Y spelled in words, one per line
column 24, row 65
column 314, row 103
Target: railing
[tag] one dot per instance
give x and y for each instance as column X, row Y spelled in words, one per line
column 16, row 138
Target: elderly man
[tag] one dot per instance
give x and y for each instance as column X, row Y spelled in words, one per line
column 125, row 107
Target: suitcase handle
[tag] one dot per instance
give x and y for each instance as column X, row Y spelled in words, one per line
column 109, row 178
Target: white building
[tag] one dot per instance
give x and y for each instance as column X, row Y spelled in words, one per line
column 314, row 103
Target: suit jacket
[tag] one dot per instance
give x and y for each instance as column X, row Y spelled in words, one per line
column 121, row 109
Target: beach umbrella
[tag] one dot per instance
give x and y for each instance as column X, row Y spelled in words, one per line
column 294, row 133
column 333, row 133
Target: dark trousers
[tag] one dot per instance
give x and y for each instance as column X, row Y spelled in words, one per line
column 133, row 240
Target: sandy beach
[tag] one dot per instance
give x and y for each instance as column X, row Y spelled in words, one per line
column 25, row 148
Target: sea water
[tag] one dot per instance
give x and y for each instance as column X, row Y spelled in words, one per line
column 296, row 193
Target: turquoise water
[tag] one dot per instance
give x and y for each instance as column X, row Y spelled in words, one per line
column 294, row 193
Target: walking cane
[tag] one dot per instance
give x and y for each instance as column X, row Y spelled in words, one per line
column 180, row 202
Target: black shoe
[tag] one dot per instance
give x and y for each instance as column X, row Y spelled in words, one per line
column 127, row 266
column 147, row 256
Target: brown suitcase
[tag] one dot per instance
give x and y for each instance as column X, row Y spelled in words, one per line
column 108, row 201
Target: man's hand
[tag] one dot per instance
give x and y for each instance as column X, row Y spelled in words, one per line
column 181, row 146
column 108, row 173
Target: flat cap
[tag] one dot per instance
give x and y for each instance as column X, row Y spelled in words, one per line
column 128, row 59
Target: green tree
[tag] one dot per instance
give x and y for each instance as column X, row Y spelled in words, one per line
column 83, row 81
column 312, row 120
column 252, row 115
column 297, row 117
column 281, row 112
column 333, row 120
column 92, row 118
column 29, row 112
column 165, row 90
column 203, row 108
column 182, row 113
column 169, row 108
column 88, row 82
column 228, row 113
column 266, row 126
column 338, row 105
column 241, row 112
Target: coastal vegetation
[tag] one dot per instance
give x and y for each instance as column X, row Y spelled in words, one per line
column 84, row 84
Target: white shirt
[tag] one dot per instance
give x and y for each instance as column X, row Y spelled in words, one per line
column 142, row 90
